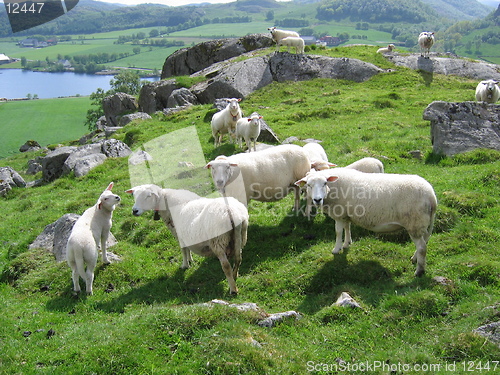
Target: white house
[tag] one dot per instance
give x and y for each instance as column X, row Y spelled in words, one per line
column 4, row 59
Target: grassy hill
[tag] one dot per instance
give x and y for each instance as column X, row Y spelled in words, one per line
column 145, row 315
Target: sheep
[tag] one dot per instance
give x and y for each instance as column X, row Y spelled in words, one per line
column 292, row 41
column 265, row 176
column 367, row 165
column 205, row 226
column 278, row 34
column 488, row 91
column 376, row 201
column 425, row 41
column 317, row 156
column 248, row 128
column 90, row 232
column 387, row 49
column 225, row 121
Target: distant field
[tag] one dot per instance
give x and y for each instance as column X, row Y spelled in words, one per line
column 46, row 121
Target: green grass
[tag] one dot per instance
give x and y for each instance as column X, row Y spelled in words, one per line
column 46, row 121
column 151, row 321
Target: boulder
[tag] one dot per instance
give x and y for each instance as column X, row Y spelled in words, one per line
column 117, row 105
column 114, row 148
column 10, row 177
column 132, row 117
column 154, row 95
column 34, row 166
column 53, row 162
column 181, row 97
column 449, row 66
column 77, row 154
column 465, row 126
column 30, row 146
column 187, row 61
column 491, row 331
column 86, row 163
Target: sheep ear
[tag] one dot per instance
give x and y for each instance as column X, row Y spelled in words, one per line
column 249, row 119
column 208, row 166
column 332, row 178
column 129, row 191
column 301, row 182
column 233, row 164
column 239, row 99
column 331, row 165
column 110, row 186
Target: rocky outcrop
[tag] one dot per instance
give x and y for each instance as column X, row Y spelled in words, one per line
column 126, row 119
column 9, row 178
column 117, row 105
column 448, row 66
column 154, row 95
column 465, row 126
column 187, row 61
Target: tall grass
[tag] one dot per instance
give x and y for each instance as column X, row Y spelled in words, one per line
column 145, row 316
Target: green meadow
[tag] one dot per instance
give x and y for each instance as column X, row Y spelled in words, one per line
column 147, row 315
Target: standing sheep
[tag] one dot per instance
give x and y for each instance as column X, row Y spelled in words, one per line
column 488, row 91
column 265, row 176
column 278, row 34
column 292, row 41
column 317, row 156
column 204, row 226
column 425, row 41
column 248, row 128
column 375, row 201
column 387, row 49
column 367, row 165
column 90, row 232
column 224, row 122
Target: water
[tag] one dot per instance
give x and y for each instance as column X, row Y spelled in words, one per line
column 18, row 83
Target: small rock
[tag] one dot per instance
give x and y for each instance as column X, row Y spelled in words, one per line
column 346, row 300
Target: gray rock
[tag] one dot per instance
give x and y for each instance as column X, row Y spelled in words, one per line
column 139, row 157
column 34, row 166
column 154, row 96
column 4, row 188
column 110, row 130
column 114, row 148
column 187, row 61
column 491, row 331
column 53, row 162
column 124, row 120
column 9, row 176
column 448, row 66
column 79, row 153
column 181, row 97
column 117, row 105
column 86, row 163
column 30, row 146
column 345, row 300
column 274, row 319
column 465, row 126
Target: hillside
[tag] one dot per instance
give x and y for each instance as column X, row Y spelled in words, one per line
column 149, row 316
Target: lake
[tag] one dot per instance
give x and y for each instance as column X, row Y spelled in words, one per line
column 18, row 83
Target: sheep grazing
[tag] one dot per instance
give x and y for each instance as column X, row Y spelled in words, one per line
column 388, row 49
column 265, row 176
column 204, row 226
column 425, row 41
column 488, row 91
column 224, row 122
column 292, row 41
column 367, row 165
column 248, row 128
column 278, row 34
column 375, row 201
column 90, row 232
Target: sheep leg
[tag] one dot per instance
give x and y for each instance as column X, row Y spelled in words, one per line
column 89, row 279
column 76, row 278
column 104, row 240
column 347, row 236
column 419, row 255
column 296, row 206
column 186, row 258
column 308, row 207
column 340, row 225
column 238, row 245
column 228, row 271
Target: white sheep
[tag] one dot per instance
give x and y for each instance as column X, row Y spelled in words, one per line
column 388, row 49
column 425, row 41
column 265, row 176
column 248, row 128
column 90, row 232
column 367, row 165
column 292, row 41
column 204, row 226
column 224, row 122
column 379, row 202
column 317, row 156
column 278, row 34
column 488, row 91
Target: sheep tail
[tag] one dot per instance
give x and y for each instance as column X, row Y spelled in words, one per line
column 80, row 267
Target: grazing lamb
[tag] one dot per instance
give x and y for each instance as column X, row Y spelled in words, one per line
column 488, row 91
column 248, row 128
column 278, row 34
column 266, row 175
column 376, row 201
column 387, row 49
column 90, row 232
column 204, row 226
column 292, row 41
column 425, row 41
column 367, row 165
column 224, row 122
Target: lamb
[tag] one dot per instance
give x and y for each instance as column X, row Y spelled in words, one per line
column 265, row 176
column 488, row 91
column 317, row 156
column 90, row 232
column 387, row 49
column 425, row 41
column 248, row 128
column 292, row 41
column 224, row 122
column 367, row 165
column 278, row 34
column 376, row 201
column 204, row 226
